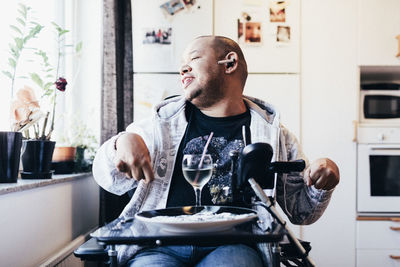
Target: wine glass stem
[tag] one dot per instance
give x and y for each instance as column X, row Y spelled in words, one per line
column 197, row 192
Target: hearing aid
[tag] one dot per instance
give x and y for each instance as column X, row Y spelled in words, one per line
column 229, row 62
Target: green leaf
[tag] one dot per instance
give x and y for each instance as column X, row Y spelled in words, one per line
column 78, row 47
column 35, row 77
column 35, row 30
column 11, row 62
column 62, row 32
column 23, row 7
column 22, row 12
column 23, row 77
column 58, row 28
column 19, row 42
column 48, row 85
column 21, row 21
column 15, row 28
column 8, row 74
column 14, row 51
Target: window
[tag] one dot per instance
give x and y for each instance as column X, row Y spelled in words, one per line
column 83, row 19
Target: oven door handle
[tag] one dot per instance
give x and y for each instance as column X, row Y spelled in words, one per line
column 387, row 148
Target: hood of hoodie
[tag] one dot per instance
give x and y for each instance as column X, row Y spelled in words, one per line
column 170, row 107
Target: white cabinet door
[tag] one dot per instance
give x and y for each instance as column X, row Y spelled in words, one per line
column 379, row 25
column 150, row 55
column 269, row 54
column 378, row 258
column 280, row 90
column 378, row 235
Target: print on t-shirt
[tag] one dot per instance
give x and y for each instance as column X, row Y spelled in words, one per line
column 219, row 148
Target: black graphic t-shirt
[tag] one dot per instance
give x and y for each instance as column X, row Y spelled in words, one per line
column 227, row 136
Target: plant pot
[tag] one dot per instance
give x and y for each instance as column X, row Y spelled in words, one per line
column 64, row 153
column 63, row 161
column 10, row 151
column 36, row 159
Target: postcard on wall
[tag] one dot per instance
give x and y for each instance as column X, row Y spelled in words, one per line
column 172, row 7
column 189, row 3
column 277, row 11
column 249, row 28
column 283, row 34
column 162, row 35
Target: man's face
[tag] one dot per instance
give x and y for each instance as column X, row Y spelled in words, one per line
column 201, row 75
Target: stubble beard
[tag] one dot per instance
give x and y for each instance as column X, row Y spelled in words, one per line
column 205, row 96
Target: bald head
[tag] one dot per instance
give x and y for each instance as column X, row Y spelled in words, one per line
column 222, row 46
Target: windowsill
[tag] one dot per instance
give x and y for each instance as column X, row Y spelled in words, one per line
column 26, row 184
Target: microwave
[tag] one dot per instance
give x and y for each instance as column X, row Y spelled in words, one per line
column 380, row 103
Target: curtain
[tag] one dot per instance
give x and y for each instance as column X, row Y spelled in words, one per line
column 117, row 88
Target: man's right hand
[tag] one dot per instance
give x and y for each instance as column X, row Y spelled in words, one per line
column 133, row 158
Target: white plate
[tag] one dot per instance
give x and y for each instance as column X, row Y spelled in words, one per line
column 196, row 219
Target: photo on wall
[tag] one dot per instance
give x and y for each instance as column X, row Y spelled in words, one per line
column 283, row 34
column 189, row 3
column 277, row 11
column 249, row 29
column 240, row 31
column 172, row 7
column 161, row 36
column 252, row 32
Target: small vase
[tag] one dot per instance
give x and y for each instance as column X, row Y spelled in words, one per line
column 36, row 159
column 10, row 150
column 64, row 153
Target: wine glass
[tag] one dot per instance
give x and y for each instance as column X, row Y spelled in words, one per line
column 197, row 171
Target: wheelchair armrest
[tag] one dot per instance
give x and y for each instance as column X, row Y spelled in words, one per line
column 91, row 251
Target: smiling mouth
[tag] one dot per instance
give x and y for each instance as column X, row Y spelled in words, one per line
column 187, row 81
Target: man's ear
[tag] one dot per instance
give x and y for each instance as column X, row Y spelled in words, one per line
column 231, row 66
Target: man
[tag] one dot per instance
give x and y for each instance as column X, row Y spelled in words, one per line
column 148, row 155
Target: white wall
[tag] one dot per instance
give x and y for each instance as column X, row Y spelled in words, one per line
column 329, row 104
column 36, row 223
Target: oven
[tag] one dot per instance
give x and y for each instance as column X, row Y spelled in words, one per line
column 378, row 170
column 380, row 103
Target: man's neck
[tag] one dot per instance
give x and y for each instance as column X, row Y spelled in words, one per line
column 225, row 108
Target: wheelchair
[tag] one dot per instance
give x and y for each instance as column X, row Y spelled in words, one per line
column 290, row 252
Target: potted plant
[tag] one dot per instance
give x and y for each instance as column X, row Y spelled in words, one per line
column 10, row 149
column 10, row 142
column 77, row 149
column 36, row 119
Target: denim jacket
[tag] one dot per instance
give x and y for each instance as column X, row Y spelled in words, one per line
column 163, row 134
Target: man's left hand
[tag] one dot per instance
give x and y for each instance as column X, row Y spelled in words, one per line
column 323, row 174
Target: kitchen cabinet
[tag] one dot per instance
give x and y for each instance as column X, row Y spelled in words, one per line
column 379, row 28
column 378, row 242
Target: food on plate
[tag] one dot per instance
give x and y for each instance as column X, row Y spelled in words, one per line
column 201, row 217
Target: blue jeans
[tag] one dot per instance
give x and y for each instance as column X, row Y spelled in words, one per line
column 175, row 256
